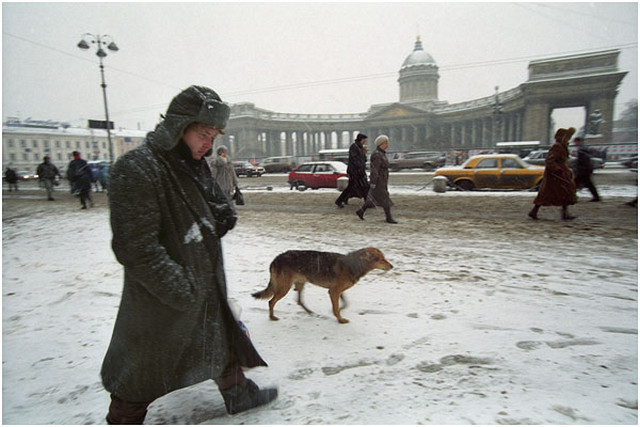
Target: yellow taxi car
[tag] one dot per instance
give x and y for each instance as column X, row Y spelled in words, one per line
column 500, row 171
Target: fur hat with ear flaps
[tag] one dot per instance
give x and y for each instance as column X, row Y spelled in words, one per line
column 196, row 104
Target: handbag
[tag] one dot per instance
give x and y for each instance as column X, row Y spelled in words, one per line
column 238, row 197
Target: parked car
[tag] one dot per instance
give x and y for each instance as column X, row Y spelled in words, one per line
column 499, row 171
column 248, row 169
column 334, row 154
column 26, row 175
column 278, row 164
column 538, row 158
column 427, row 160
column 317, row 175
column 631, row 162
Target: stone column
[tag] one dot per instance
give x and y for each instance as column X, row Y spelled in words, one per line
column 536, row 123
column 404, row 137
column 474, row 133
column 275, row 145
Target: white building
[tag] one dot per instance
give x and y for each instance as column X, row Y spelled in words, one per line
column 26, row 142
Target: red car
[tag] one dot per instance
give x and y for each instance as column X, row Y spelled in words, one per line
column 317, row 175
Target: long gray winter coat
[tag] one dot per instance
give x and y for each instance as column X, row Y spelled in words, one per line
column 174, row 327
column 379, row 177
column 224, row 173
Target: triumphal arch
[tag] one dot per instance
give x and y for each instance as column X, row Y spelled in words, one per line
column 420, row 121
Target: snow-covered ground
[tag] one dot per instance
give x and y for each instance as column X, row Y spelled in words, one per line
column 479, row 322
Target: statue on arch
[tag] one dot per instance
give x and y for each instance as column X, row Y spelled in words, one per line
column 595, row 120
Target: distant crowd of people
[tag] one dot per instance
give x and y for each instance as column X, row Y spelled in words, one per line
column 79, row 173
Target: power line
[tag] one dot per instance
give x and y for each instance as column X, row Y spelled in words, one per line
column 140, row 76
column 578, row 12
column 478, row 64
column 576, row 27
column 303, row 85
column 453, row 67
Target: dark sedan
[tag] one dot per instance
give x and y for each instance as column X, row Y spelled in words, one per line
column 247, row 169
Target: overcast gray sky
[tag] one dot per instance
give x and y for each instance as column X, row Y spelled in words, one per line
column 288, row 57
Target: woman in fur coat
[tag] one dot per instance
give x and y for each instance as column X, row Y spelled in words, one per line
column 558, row 187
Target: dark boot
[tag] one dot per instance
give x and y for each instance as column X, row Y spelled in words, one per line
column 360, row 212
column 566, row 216
column 246, row 395
column 534, row 212
column 389, row 219
column 123, row 412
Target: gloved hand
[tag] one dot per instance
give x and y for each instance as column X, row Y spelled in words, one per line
column 225, row 216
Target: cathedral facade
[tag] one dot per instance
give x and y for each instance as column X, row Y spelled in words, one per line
column 420, row 121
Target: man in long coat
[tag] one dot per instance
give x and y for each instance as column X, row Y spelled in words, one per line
column 584, row 169
column 174, row 327
column 356, row 171
column 558, row 187
column 12, row 178
column 379, row 181
column 47, row 173
column 79, row 175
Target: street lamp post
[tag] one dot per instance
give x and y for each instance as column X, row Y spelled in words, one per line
column 99, row 41
column 497, row 116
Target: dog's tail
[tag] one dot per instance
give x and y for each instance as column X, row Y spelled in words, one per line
column 265, row 293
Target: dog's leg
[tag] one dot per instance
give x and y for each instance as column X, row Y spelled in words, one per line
column 299, row 287
column 344, row 302
column 335, row 294
column 272, row 303
column 281, row 289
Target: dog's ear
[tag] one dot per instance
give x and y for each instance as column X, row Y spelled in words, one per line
column 377, row 253
column 374, row 255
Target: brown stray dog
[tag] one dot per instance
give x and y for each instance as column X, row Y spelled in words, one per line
column 334, row 271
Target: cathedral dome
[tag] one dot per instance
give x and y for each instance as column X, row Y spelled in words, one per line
column 418, row 77
column 418, row 56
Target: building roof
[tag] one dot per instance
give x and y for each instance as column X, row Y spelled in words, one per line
column 70, row 131
column 418, row 56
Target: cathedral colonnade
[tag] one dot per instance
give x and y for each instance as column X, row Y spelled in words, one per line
column 419, row 121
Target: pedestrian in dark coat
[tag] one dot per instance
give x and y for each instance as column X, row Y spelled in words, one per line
column 79, row 175
column 379, row 181
column 558, row 187
column 356, row 171
column 12, row 178
column 47, row 173
column 584, row 169
column 175, row 327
